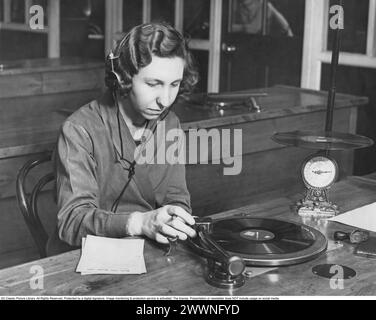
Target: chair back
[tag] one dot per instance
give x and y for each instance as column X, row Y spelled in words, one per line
column 28, row 201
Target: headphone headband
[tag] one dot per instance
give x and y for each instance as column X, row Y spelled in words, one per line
column 113, row 78
column 116, row 51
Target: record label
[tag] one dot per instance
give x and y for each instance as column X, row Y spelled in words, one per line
column 257, row 235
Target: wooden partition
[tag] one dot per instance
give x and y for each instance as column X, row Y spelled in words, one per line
column 35, row 98
column 267, row 167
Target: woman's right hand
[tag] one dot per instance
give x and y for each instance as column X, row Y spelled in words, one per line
column 160, row 224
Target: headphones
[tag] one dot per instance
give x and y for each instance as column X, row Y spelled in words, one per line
column 113, row 79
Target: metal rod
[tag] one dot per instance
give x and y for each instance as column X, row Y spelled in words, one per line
column 333, row 75
column 264, row 30
column 264, row 23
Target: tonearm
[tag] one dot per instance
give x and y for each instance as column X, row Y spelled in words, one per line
column 224, row 270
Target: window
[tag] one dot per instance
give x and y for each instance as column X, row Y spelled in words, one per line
column 82, row 28
column 163, row 10
column 354, row 35
column 192, row 17
column 132, row 14
column 357, row 63
column 196, row 19
column 15, row 16
column 358, row 38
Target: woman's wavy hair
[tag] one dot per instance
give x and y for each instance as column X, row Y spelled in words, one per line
column 136, row 49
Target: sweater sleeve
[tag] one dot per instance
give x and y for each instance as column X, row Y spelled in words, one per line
column 177, row 192
column 77, row 190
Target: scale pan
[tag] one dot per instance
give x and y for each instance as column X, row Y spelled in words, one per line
column 322, row 140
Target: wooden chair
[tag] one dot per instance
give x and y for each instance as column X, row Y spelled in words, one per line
column 28, row 202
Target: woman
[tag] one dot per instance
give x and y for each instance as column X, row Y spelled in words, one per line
column 101, row 189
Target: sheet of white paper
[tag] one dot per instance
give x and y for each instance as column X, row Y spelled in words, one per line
column 102, row 255
column 362, row 218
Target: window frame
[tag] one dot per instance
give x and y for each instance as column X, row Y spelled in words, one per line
column 114, row 32
column 315, row 39
column 52, row 30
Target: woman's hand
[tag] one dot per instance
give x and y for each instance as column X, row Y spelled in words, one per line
column 165, row 222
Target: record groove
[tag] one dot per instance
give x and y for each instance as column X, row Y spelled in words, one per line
column 268, row 242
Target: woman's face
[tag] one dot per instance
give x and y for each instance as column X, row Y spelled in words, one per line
column 155, row 87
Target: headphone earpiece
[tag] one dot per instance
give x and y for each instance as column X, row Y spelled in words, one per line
column 113, row 79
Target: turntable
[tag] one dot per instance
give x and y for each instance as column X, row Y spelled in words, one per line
column 230, row 244
column 219, row 102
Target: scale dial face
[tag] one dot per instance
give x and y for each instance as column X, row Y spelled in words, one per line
column 319, row 172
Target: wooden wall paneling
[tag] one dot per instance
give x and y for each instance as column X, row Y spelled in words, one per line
column 40, row 82
column 275, row 170
column 274, row 166
column 256, row 135
column 69, row 81
column 24, row 135
column 20, row 85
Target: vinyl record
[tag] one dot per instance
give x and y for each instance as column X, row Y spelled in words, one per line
column 322, row 140
column 268, row 242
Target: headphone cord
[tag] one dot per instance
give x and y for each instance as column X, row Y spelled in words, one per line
column 119, row 130
column 131, row 170
column 132, row 164
column 130, row 176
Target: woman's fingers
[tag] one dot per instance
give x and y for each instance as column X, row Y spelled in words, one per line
column 161, row 238
column 169, row 222
column 178, row 224
column 181, row 213
column 171, row 232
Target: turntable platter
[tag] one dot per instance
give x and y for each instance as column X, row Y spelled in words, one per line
column 268, row 242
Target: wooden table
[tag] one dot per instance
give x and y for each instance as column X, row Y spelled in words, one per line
column 183, row 274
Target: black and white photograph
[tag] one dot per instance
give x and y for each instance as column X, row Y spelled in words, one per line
column 202, row 151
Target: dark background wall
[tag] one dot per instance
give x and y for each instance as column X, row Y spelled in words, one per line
column 22, row 45
column 359, row 81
